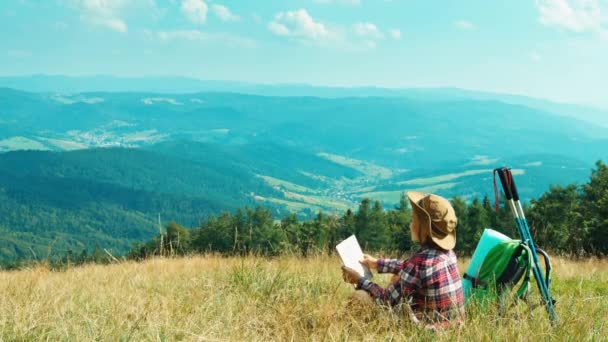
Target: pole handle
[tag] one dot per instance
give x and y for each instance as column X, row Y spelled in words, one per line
column 502, row 175
column 508, row 183
column 513, row 187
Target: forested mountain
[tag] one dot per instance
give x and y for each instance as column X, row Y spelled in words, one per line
column 82, row 169
column 110, row 197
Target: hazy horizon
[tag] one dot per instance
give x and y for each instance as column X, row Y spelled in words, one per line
column 312, row 85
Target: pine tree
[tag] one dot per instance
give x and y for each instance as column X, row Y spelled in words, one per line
column 333, row 233
column 240, row 232
column 177, row 239
column 215, row 235
column 462, row 229
column 379, row 233
column 347, row 225
column 477, row 220
column 292, row 229
column 554, row 220
column 266, row 236
column 363, row 228
column 595, row 209
column 399, row 226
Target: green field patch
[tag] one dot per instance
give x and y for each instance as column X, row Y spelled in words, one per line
column 364, row 189
column 452, row 176
column 21, row 143
column 303, row 195
column 151, row 135
column 323, row 179
column 318, row 201
column 395, row 196
column 285, row 185
column 66, row 145
column 290, row 205
column 443, row 178
column 366, row 168
column 296, row 202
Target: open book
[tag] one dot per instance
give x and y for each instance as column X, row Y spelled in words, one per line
column 351, row 254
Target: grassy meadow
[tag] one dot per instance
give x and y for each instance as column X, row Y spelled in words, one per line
column 211, row 298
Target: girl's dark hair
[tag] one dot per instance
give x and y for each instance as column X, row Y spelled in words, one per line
column 431, row 244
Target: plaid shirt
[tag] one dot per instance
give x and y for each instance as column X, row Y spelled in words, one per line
column 429, row 282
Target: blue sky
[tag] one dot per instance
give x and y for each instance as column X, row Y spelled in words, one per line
column 555, row 49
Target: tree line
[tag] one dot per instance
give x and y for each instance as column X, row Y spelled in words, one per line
column 569, row 220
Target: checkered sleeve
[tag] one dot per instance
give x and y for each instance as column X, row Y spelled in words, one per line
column 393, row 266
column 409, row 281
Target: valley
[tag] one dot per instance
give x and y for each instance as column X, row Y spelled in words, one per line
column 84, row 169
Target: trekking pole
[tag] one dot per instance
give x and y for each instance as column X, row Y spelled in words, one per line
column 508, row 185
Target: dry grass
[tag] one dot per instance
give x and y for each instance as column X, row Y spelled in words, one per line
column 244, row 299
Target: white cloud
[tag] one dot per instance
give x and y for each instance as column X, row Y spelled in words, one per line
column 114, row 24
column 395, row 33
column 573, row 15
column 278, row 29
column 106, row 14
column 367, row 30
column 110, row 14
column 195, row 10
column 299, row 24
column 224, row 13
column 464, row 25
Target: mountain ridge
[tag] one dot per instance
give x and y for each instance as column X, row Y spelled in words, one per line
column 179, row 84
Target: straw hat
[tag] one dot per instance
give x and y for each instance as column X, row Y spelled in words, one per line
column 434, row 216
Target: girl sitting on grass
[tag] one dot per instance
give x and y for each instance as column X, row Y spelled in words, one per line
column 427, row 284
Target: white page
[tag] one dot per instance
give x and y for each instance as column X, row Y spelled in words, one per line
column 350, row 252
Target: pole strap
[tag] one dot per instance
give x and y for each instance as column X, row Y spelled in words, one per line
column 495, row 192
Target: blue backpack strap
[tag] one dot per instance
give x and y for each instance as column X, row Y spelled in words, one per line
column 524, row 289
column 475, row 281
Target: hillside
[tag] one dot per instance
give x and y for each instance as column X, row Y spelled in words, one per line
column 112, row 197
column 190, row 155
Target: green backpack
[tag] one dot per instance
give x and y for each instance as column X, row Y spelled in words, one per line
column 504, row 266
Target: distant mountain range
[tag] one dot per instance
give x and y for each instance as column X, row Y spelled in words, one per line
column 180, row 85
column 98, row 167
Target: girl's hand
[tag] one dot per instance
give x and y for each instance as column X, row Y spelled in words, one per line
column 370, row 262
column 350, row 276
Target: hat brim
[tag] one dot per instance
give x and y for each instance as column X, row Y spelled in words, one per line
column 422, row 220
column 447, row 242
